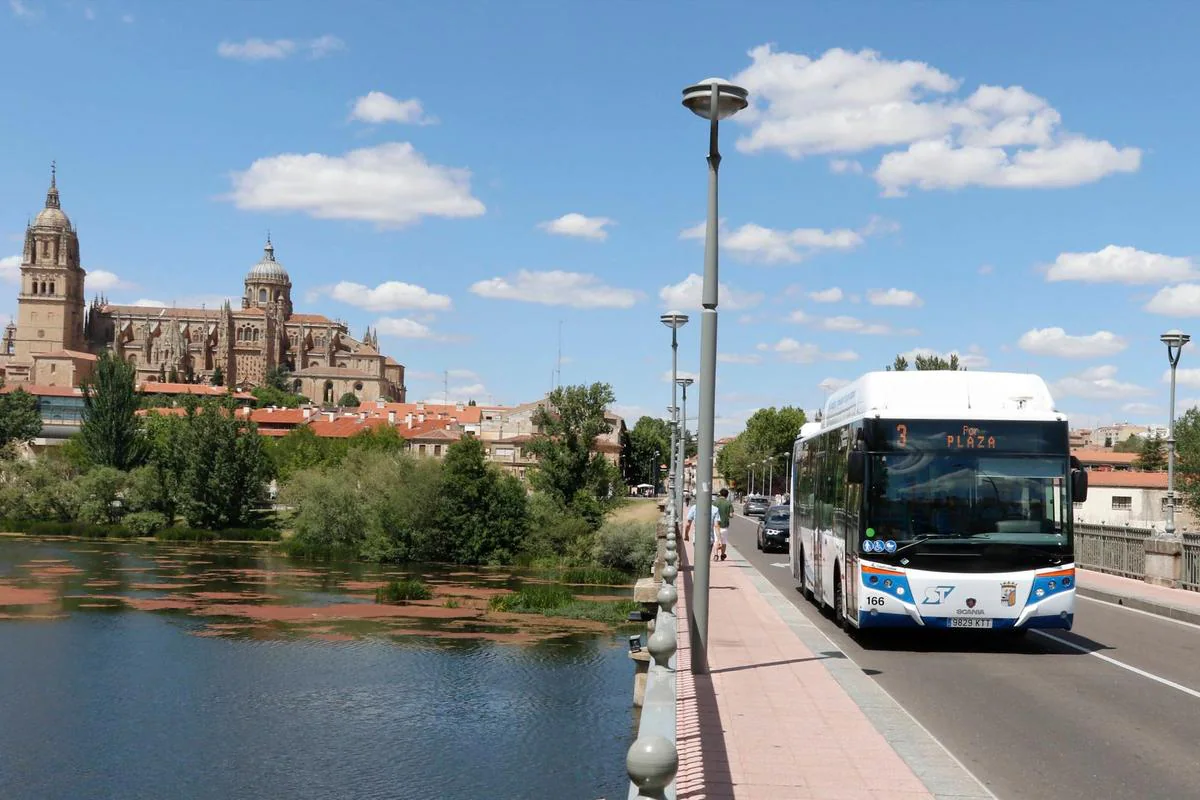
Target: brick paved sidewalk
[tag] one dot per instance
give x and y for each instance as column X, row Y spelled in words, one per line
column 769, row 721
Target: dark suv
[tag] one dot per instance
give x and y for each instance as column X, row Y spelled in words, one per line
column 755, row 506
column 774, row 531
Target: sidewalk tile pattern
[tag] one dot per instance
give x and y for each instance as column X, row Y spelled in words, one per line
column 769, row 721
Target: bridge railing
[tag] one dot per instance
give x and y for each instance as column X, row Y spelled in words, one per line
column 1190, row 578
column 1115, row 549
column 653, row 760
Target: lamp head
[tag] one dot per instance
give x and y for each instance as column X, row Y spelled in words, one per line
column 730, row 98
column 673, row 319
column 685, row 382
column 1174, row 340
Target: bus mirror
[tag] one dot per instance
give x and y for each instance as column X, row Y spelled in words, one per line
column 1079, row 485
column 855, row 468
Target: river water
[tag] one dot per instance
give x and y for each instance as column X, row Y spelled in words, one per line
column 149, row 671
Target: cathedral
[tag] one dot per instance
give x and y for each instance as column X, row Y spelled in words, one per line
column 55, row 338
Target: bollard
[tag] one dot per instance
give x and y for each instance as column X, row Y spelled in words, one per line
column 667, row 597
column 669, row 573
column 661, row 646
column 652, row 763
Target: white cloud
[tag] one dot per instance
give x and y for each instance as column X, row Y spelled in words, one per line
column 846, row 102
column 1116, row 264
column 770, row 246
column 390, row 184
column 148, row 303
column 127, row 19
column 831, row 295
column 832, row 384
column 847, row 324
column 1142, row 409
column 89, row 14
column 377, row 107
column 973, row 358
column 403, row 328
column 556, row 288
column 10, row 269
column 789, row 349
column 1184, row 377
column 388, row 296
column 1097, row 383
column 1176, row 301
column 736, row 358
column 1057, row 342
column 985, row 269
column 686, row 295
column 578, row 225
column 22, row 10
column 842, row 166
column 101, row 280
column 893, row 297
column 255, row 49
column 457, row 394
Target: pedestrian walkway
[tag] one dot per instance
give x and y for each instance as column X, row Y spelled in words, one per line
column 784, row 715
column 1181, row 604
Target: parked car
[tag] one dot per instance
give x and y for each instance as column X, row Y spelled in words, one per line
column 755, row 506
column 774, row 529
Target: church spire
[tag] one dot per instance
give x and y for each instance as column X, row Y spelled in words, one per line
column 52, row 192
column 269, row 250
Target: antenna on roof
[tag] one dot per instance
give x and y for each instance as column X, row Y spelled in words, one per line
column 558, row 362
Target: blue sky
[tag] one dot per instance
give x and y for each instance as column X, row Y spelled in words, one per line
column 1012, row 182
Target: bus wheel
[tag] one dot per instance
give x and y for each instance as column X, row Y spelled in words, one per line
column 839, row 617
column 805, row 589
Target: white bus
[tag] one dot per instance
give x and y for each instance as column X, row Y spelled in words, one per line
column 938, row 499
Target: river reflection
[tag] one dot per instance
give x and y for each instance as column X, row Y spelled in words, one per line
column 150, row 671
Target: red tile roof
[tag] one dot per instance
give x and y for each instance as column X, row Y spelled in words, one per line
column 199, row 389
column 66, row 354
column 281, row 416
column 43, row 391
column 1128, row 480
column 343, row 427
column 1088, row 456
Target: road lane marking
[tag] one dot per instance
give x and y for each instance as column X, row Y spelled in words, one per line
column 781, row 564
column 1121, row 664
column 1137, row 611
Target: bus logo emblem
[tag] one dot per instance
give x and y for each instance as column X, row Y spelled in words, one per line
column 970, row 602
column 1008, row 594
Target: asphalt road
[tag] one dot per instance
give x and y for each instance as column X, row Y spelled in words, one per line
column 1110, row 710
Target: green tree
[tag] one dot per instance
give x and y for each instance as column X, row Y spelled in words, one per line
column 218, row 376
column 100, row 495
column 1130, row 444
column 1187, row 458
column 482, row 515
column 349, row 400
column 649, row 446
column 1152, row 455
column 111, row 434
column 928, row 362
column 278, row 378
column 899, row 365
column 569, row 467
column 227, row 469
column 20, row 420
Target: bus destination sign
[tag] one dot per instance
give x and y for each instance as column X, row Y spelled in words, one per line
column 954, row 435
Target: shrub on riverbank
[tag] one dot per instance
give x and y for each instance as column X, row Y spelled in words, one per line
column 627, row 546
column 403, row 590
column 553, row 600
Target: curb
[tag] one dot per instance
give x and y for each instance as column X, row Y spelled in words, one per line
column 1140, row 604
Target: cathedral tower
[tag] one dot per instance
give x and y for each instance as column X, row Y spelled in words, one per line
column 50, row 304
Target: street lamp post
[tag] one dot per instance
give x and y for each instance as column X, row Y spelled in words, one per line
column 713, row 99
column 674, row 320
column 1174, row 340
column 683, row 384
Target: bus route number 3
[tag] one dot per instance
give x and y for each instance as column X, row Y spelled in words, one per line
column 902, row 434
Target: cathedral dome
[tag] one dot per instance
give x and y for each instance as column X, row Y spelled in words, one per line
column 52, row 215
column 268, row 269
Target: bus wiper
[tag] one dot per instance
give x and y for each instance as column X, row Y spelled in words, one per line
column 921, row 538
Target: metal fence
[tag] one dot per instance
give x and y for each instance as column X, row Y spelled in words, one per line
column 1191, row 562
column 1115, row 549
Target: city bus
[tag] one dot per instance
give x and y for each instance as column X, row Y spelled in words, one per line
column 937, row 499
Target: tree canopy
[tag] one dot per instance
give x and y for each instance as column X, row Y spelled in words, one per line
column 1152, row 454
column 927, row 362
column 19, row 417
column 650, row 446
column 111, row 434
column 769, row 436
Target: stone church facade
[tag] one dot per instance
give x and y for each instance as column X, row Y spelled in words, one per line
column 55, row 338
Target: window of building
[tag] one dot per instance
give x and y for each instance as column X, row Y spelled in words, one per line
column 421, row 449
column 358, row 386
column 1122, row 503
column 437, row 449
column 51, row 287
column 262, row 295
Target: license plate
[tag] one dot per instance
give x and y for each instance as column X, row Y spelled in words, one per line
column 970, row 622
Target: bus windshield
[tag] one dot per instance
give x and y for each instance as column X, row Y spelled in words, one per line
column 977, row 496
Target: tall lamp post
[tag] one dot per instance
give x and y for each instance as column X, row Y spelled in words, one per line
column 714, row 100
column 1174, row 340
column 674, row 320
column 683, row 384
